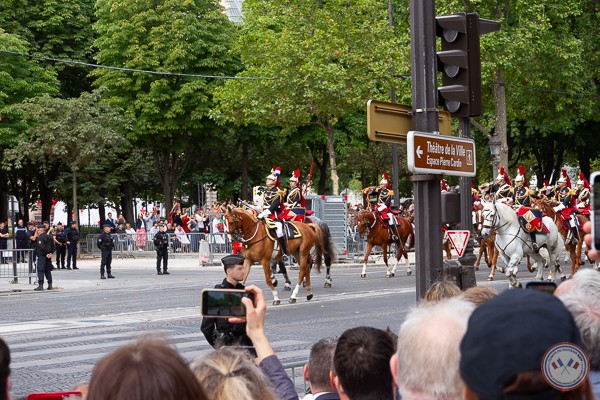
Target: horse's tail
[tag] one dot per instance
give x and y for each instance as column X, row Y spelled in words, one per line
column 318, row 259
column 329, row 248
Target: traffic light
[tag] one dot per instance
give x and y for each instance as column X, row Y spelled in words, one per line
column 459, row 62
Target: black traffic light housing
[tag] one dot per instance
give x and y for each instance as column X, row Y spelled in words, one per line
column 459, row 62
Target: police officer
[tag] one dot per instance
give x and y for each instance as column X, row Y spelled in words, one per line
column 21, row 239
column 161, row 244
column 60, row 238
column 44, row 247
column 32, row 237
column 219, row 331
column 106, row 244
column 72, row 240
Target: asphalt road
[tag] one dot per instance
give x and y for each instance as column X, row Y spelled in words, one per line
column 57, row 336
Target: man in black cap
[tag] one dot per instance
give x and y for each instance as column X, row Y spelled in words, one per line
column 60, row 239
column 161, row 244
column 72, row 240
column 44, row 247
column 520, row 344
column 219, row 331
column 106, row 244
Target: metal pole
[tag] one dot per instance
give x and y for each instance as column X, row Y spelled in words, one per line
column 395, row 168
column 428, row 218
column 466, row 221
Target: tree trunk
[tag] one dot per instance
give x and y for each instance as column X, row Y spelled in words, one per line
column 4, row 197
column 322, row 165
column 335, row 180
column 75, row 206
column 170, row 166
column 244, row 195
column 127, row 202
column 500, row 108
column 102, row 214
column 45, row 197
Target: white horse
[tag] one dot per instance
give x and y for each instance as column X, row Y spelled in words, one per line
column 513, row 242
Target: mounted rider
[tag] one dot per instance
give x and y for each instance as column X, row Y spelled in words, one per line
column 583, row 195
column 530, row 219
column 566, row 199
column 504, row 193
column 295, row 204
column 548, row 190
column 272, row 203
column 384, row 204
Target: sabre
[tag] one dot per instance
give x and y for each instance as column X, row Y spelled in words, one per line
column 308, row 178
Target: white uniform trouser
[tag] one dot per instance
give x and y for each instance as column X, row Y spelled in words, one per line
column 279, row 229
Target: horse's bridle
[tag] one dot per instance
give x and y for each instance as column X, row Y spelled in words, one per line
column 240, row 232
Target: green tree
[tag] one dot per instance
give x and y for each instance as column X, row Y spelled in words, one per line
column 328, row 57
column 180, row 36
column 66, row 132
column 58, row 29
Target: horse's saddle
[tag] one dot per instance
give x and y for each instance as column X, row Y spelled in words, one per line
column 531, row 220
column 580, row 220
column 290, row 231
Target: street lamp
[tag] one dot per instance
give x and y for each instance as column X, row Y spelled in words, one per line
column 495, row 144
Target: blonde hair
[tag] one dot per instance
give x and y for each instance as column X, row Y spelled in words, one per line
column 442, row 289
column 228, row 374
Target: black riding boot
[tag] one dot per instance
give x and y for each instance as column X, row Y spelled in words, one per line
column 283, row 244
column 575, row 234
column 534, row 245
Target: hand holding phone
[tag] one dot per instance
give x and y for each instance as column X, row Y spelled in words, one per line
column 595, row 212
column 224, row 303
column 542, row 286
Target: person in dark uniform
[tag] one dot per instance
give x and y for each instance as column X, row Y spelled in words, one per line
column 72, row 240
column 60, row 239
column 219, row 331
column 106, row 244
column 44, row 247
column 522, row 198
column 384, row 204
column 566, row 206
column 4, row 235
column 21, row 239
column 272, row 205
column 161, row 244
column 504, row 192
column 32, row 237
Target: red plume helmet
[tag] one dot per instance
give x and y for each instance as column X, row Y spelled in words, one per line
column 566, row 176
column 586, row 184
column 545, row 183
column 385, row 179
column 502, row 172
column 444, row 185
column 521, row 169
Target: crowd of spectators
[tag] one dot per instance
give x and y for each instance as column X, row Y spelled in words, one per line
column 468, row 345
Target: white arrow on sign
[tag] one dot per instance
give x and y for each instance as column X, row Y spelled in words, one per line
column 419, row 151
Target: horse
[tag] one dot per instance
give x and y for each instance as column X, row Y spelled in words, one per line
column 258, row 247
column 329, row 255
column 369, row 223
column 513, row 242
column 573, row 250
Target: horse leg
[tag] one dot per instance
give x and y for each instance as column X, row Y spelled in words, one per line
column 363, row 274
column 266, row 263
column 283, row 270
column 540, row 271
column 273, row 264
column 328, row 276
column 384, row 248
column 405, row 255
column 511, row 271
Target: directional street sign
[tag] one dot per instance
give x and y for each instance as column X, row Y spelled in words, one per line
column 390, row 122
column 458, row 240
column 435, row 154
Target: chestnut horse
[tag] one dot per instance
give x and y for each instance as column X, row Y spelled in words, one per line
column 573, row 250
column 370, row 224
column 258, row 247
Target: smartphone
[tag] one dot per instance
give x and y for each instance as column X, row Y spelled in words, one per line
column 595, row 214
column 546, row 287
column 224, row 303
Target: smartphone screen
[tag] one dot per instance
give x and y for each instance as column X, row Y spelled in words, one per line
column 223, row 303
column 595, row 217
column 546, row 287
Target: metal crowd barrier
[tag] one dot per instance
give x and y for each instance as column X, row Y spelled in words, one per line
column 295, row 370
column 17, row 263
column 130, row 245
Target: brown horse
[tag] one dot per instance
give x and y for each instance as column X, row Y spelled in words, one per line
column 573, row 250
column 370, row 224
column 258, row 247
